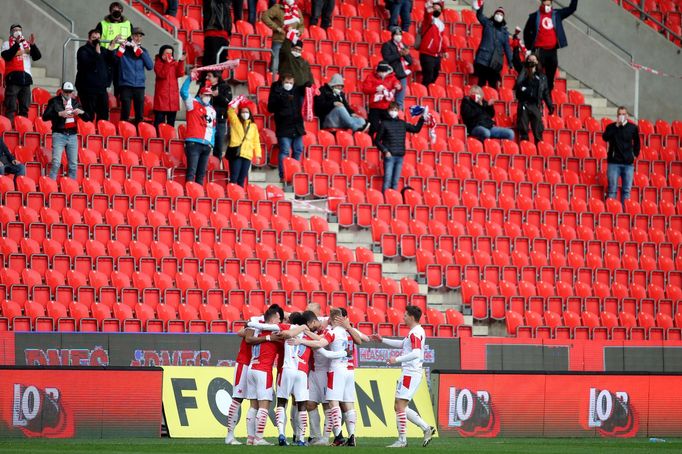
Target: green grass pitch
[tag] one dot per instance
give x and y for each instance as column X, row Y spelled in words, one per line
column 439, row 445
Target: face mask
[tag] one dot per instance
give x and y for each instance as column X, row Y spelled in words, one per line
column 337, row 91
column 398, row 38
column 295, row 53
column 499, row 17
column 95, row 42
column 116, row 14
column 66, row 96
column 245, row 116
column 382, row 75
column 622, row 119
column 206, row 99
column 288, row 86
column 548, row 9
column 393, row 114
column 17, row 35
column 477, row 98
column 436, row 13
column 531, row 64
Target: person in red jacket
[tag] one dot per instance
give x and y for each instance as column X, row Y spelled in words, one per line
column 431, row 47
column 166, row 92
column 381, row 87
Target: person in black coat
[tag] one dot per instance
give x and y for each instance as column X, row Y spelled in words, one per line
column 477, row 115
column 8, row 163
column 493, row 48
column 286, row 103
column 94, row 76
column 396, row 54
column 217, row 30
column 333, row 110
column 531, row 90
column 390, row 141
column 624, row 146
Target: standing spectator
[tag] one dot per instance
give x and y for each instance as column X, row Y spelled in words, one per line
column 400, row 9
column 286, row 21
column 291, row 61
column 478, row 114
column 166, row 93
column 381, row 87
column 286, row 103
column 238, row 8
column 431, row 46
column 200, row 133
column 323, row 9
column 94, row 76
column 390, row 141
column 111, row 28
column 493, row 48
column 222, row 95
column 544, row 34
column 244, row 139
column 172, row 9
column 18, row 52
column 8, row 163
column 62, row 111
column 134, row 60
column 217, row 30
column 531, row 91
column 333, row 110
column 624, row 146
column 396, row 54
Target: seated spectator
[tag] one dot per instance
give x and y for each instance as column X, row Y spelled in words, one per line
column 431, row 45
column 18, row 52
column 291, row 61
column 222, row 95
column 8, row 163
column 200, row 132
column 333, row 110
column 111, row 28
column 134, row 60
column 390, row 141
column 166, row 93
column 396, row 54
column 477, row 115
column 493, row 48
column 286, row 21
column 400, row 9
column 381, row 87
column 62, row 111
column 286, row 103
column 217, row 30
column 94, row 76
column 244, row 139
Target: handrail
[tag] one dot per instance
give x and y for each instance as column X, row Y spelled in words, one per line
column 247, row 49
column 643, row 15
column 158, row 15
column 72, row 27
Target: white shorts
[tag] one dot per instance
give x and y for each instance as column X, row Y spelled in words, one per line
column 407, row 386
column 259, row 385
column 292, row 382
column 317, row 386
column 239, row 384
column 341, row 385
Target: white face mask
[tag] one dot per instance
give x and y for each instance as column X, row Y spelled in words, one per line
column 17, row 34
column 548, row 9
column 245, row 116
column 206, row 99
column 498, row 17
column 382, row 75
column 398, row 38
column 288, row 86
column 295, row 53
column 393, row 113
column 337, row 91
column 477, row 98
column 622, row 119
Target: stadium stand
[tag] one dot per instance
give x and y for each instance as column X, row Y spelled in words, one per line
column 664, row 16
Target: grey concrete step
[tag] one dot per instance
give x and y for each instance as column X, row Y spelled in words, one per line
column 38, row 72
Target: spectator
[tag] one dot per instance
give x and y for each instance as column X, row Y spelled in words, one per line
column 217, row 30
column 166, row 92
column 390, row 141
column 286, row 103
column 396, row 54
column 381, row 87
column 291, row 61
column 134, row 60
column 62, row 111
column 18, row 52
column 222, row 95
column 112, row 26
column 431, row 46
column 531, row 91
column 400, row 9
column 172, row 8
column 94, row 76
column 244, row 139
column 478, row 114
column 333, row 110
column 238, row 7
column 544, row 34
column 624, row 146
column 8, row 163
column 493, row 48
column 323, row 9
column 200, row 133
column 286, row 21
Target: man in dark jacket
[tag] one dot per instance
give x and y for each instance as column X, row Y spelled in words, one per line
column 134, row 60
column 333, row 110
column 8, row 163
column 531, row 91
column 544, row 34
column 217, row 30
column 493, row 49
column 477, row 115
column 222, row 95
column 396, row 54
column 286, row 103
column 94, row 76
column 390, row 141
column 18, row 52
column 63, row 110
column 291, row 61
column 624, row 146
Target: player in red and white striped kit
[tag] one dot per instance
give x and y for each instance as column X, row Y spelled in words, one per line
column 412, row 360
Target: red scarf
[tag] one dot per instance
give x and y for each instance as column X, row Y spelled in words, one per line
column 292, row 16
column 25, row 45
column 403, row 61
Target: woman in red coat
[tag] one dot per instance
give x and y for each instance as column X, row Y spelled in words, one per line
column 167, row 93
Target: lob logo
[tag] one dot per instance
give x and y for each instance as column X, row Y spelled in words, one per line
column 611, row 414
column 472, row 413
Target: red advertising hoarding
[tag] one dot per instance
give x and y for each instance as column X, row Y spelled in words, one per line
column 85, row 403
column 559, row 405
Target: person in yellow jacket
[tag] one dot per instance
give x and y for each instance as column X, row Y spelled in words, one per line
column 244, row 139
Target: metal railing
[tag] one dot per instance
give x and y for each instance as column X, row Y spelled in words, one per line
column 66, row 43
column 72, row 25
column 244, row 49
column 643, row 15
column 159, row 16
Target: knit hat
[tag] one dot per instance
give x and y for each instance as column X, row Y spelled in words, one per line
column 383, row 67
column 337, row 79
column 499, row 10
column 246, row 104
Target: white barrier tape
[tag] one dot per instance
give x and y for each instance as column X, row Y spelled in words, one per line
column 653, row 71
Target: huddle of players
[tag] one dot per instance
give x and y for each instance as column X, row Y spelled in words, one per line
column 315, row 364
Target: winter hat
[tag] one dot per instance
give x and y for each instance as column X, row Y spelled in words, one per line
column 246, row 104
column 415, row 111
column 337, row 79
column 499, row 10
column 383, row 67
column 395, row 31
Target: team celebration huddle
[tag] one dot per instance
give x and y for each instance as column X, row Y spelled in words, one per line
column 315, row 360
